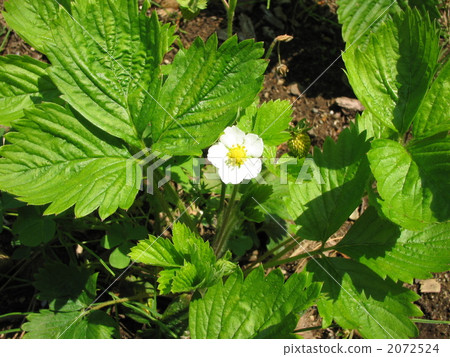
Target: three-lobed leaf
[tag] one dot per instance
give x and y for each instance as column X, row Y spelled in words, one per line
column 189, row 262
column 59, row 158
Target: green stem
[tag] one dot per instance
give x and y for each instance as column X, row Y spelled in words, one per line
column 423, row 321
column 230, row 7
column 120, row 301
column 289, row 243
column 273, row 263
column 10, row 331
column 225, row 228
column 91, row 252
column 5, row 41
column 169, row 190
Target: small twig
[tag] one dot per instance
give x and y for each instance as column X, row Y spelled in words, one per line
column 5, row 41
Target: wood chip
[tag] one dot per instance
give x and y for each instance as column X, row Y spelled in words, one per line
column 350, row 103
column 430, row 286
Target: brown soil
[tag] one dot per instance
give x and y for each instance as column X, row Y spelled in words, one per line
column 314, row 80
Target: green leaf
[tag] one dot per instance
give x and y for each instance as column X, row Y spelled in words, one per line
column 394, row 252
column 47, row 324
column 189, row 261
column 413, row 181
column 203, row 93
column 191, row 8
column 361, row 18
column 432, row 116
column 158, row 252
column 270, row 121
column 429, row 7
column 119, row 233
column 57, row 281
column 257, row 307
column 357, row 298
column 119, row 257
column 373, row 126
column 59, row 158
column 392, row 74
column 31, row 19
column 32, row 228
column 23, row 83
column 321, row 207
column 105, row 61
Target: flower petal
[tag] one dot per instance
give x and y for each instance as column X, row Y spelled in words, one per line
column 233, row 136
column 232, row 174
column 235, row 174
column 253, row 145
column 217, row 154
column 251, row 168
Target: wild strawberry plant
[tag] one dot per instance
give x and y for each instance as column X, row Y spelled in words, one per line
column 83, row 127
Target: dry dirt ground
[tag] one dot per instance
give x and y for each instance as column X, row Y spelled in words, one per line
column 315, row 83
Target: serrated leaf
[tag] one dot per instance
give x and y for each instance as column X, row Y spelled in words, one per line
column 105, row 61
column 270, row 121
column 203, row 93
column 189, row 261
column 413, row 181
column 68, row 325
column 157, row 252
column 257, row 307
column 392, row 74
column 61, row 283
column 31, row 19
column 360, row 18
column 58, row 158
column 357, row 298
column 432, row 116
column 321, row 207
column 32, row 228
column 373, row 126
column 394, row 252
column 24, row 82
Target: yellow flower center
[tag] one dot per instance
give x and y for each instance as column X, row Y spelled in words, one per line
column 237, row 155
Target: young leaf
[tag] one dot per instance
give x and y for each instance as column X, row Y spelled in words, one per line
column 203, row 93
column 24, row 82
column 270, row 121
column 31, row 19
column 357, row 298
column 189, row 261
column 105, row 60
column 413, row 181
column 48, row 324
column 432, row 116
column 320, row 207
column 392, row 74
column 394, row 252
column 257, row 307
column 61, row 159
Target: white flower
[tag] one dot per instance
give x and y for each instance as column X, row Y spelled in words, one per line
column 237, row 155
